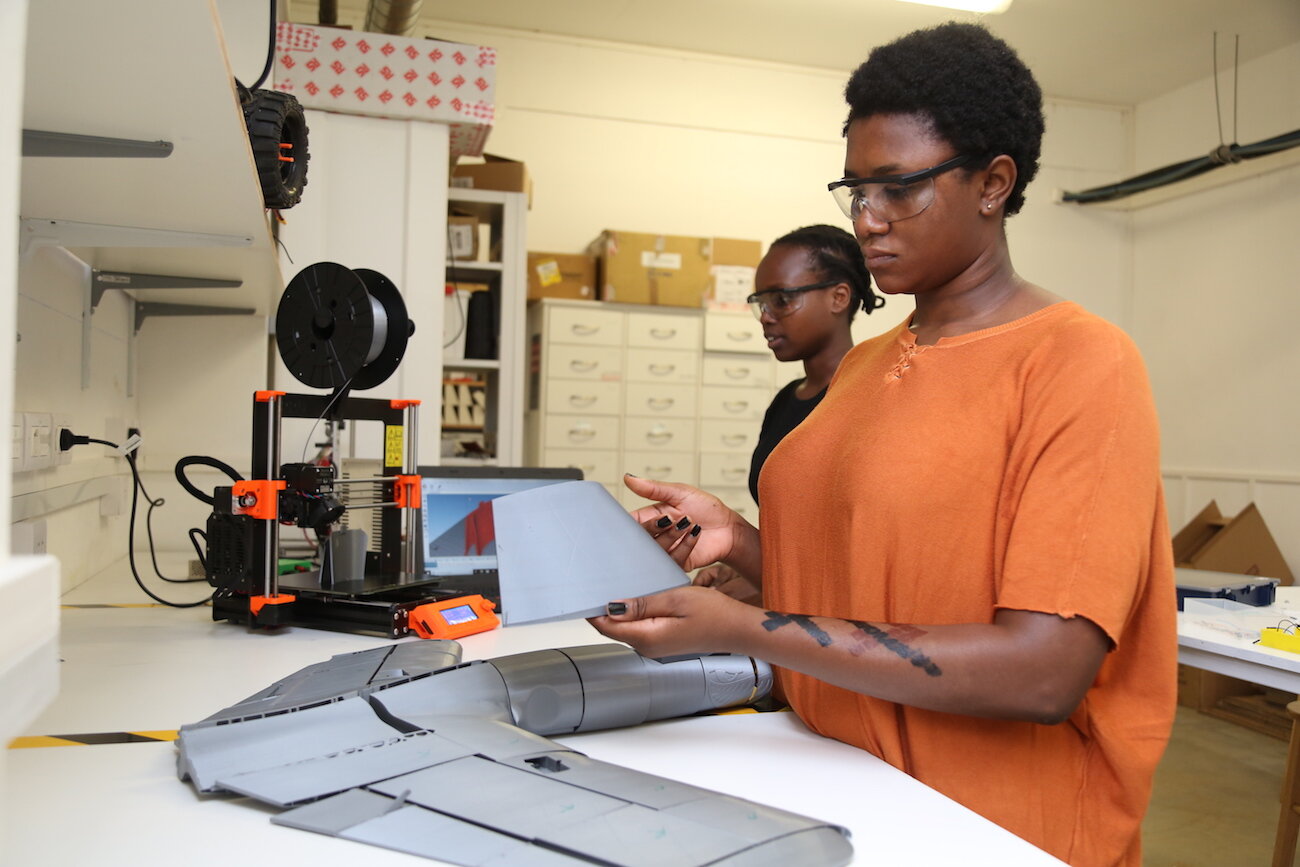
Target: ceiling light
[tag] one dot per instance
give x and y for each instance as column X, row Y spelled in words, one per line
column 990, row 7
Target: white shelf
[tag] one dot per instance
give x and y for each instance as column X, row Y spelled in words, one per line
column 147, row 71
column 472, row 364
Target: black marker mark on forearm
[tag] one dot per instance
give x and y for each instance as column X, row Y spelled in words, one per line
column 911, row 654
column 775, row 621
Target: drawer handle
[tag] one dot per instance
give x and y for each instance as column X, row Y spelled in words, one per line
column 659, row 435
column 739, row 336
column 659, row 472
column 736, row 372
column 581, row 433
column 734, row 473
column 582, row 366
column 660, row 403
column 734, row 439
column 582, row 399
column 583, row 330
column 663, row 333
column 662, row 369
column 735, row 405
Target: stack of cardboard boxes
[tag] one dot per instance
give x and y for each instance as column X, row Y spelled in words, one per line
column 644, row 268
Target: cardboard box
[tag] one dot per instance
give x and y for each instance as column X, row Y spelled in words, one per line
column 390, row 76
column 462, row 237
column 732, row 272
column 494, row 173
column 561, row 275
column 1241, row 545
column 639, row 268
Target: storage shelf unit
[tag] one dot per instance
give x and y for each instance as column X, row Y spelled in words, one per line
column 676, row 394
column 195, row 213
column 503, row 377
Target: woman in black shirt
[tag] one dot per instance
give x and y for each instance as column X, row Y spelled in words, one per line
column 806, row 291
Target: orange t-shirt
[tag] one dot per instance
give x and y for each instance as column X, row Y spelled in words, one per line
column 1014, row 467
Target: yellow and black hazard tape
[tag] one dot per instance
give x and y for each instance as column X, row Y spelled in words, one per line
column 91, row 739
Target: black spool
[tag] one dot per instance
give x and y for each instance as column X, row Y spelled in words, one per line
column 337, row 327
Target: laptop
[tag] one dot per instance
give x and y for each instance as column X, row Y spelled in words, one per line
column 458, row 537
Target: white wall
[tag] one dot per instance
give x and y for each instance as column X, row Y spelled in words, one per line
column 1217, row 300
column 641, row 139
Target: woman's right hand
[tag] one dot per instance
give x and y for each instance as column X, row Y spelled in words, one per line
column 685, row 508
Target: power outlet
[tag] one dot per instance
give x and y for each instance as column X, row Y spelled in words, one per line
column 62, row 422
column 38, row 445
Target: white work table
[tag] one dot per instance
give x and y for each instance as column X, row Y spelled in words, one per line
column 155, row 669
column 1218, row 644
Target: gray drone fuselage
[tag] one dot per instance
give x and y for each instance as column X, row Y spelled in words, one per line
column 404, row 747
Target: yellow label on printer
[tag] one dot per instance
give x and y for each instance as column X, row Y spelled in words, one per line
column 393, row 446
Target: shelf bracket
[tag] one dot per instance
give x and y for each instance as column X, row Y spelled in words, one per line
column 102, row 281
column 42, row 143
column 145, row 309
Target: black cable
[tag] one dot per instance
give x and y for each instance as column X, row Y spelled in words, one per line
column 203, row 461
column 460, row 305
column 270, row 51
column 136, row 488
column 1188, row 169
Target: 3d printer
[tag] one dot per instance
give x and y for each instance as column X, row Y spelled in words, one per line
column 343, row 330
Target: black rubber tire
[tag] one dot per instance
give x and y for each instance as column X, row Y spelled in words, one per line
column 276, row 125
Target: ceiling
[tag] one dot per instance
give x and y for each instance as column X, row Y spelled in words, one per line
column 1118, row 52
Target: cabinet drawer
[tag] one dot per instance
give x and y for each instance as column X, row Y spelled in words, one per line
column 584, row 396
column 737, row 370
column 733, row 332
column 662, row 365
column 723, row 471
column 581, row 432
column 592, row 327
column 663, row 330
column 666, row 466
column 728, row 435
column 717, row 401
column 584, row 362
column 660, row 400
column 597, row 465
column 659, row 434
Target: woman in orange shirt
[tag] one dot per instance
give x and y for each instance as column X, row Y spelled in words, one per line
column 964, row 558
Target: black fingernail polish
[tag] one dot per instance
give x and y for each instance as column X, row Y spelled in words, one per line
column 695, row 531
column 664, row 522
column 683, row 523
column 633, row 475
column 616, row 608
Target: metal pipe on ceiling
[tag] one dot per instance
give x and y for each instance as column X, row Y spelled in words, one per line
column 397, row 17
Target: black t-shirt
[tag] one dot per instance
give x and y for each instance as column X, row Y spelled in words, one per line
column 783, row 415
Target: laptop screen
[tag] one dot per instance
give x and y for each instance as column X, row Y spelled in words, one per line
column 459, row 537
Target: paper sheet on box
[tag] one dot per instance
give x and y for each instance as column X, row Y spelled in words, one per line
column 565, row 550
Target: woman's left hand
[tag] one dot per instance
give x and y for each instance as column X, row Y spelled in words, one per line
column 679, row 621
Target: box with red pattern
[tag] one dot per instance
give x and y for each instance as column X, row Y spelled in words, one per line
column 390, row 76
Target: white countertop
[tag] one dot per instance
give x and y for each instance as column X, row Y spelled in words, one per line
column 151, row 669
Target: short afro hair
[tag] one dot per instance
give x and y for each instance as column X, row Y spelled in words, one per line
column 835, row 255
column 973, row 88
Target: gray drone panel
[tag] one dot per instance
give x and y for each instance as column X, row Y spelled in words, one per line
column 486, row 793
column 418, row 831
column 617, row 782
column 285, row 785
column 216, row 752
column 755, row 822
column 825, row 846
column 342, row 674
column 334, row 815
column 639, row 837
